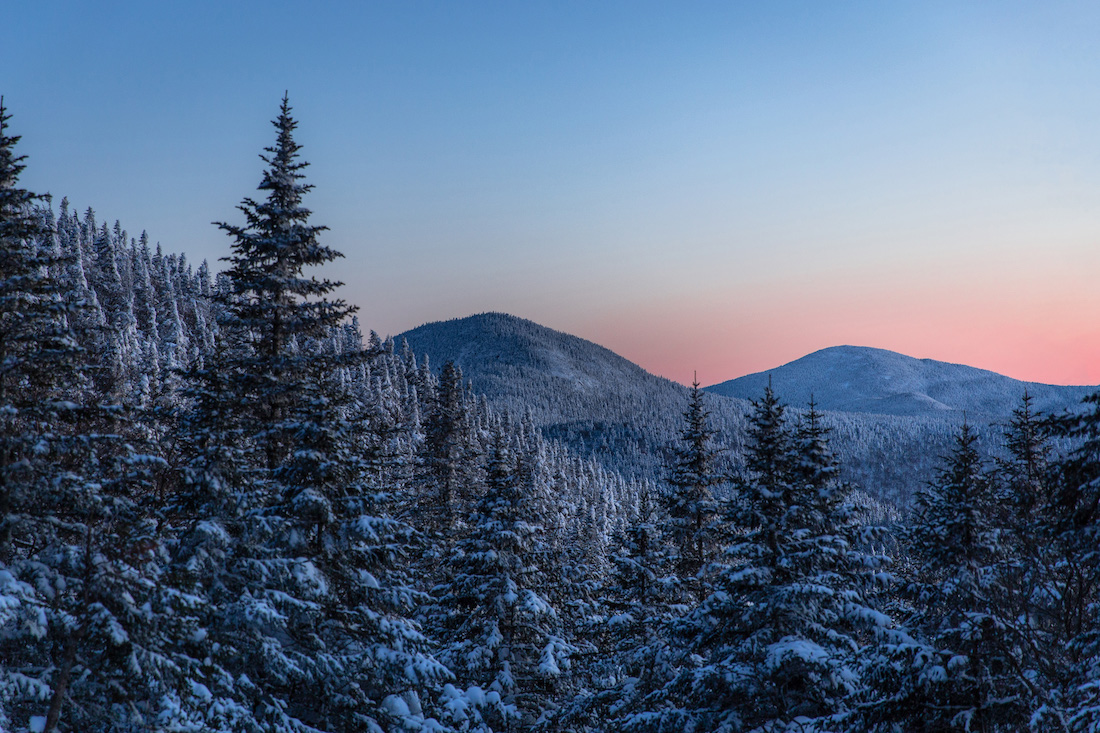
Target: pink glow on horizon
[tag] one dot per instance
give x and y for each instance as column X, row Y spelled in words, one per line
column 1050, row 336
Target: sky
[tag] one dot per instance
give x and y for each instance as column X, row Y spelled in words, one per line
column 706, row 188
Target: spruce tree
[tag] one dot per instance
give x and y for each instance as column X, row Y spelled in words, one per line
column 78, row 554
column 776, row 638
column 1076, row 519
column 690, row 499
column 504, row 651
column 314, row 609
column 37, row 351
column 956, row 668
column 449, row 459
column 641, row 598
column 1035, row 587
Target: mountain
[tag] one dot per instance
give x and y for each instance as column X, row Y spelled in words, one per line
column 499, row 352
column 876, row 381
column 603, row 406
column 577, row 392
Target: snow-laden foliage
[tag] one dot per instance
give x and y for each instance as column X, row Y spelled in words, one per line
column 690, row 497
column 221, row 510
column 79, row 557
column 772, row 644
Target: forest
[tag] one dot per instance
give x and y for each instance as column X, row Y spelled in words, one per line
column 225, row 508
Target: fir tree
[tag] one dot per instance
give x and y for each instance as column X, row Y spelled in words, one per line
column 957, row 671
column 449, row 456
column 504, row 651
column 641, row 598
column 77, row 550
column 690, row 500
column 1036, row 577
column 776, row 637
column 1076, row 519
column 315, row 602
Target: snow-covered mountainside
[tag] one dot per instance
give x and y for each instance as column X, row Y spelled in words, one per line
column 604, row 406
column 577, row 392
column 862, row 379
column 499, row 353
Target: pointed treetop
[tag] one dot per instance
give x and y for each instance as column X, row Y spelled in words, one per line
column 10, row 164
column 277, row 241
column 16, row 218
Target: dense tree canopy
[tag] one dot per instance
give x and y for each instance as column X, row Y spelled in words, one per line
column 221, row 510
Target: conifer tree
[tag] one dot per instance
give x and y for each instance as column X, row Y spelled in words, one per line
column 1076, row 520
column 449, row 457
column 788, row 606
column 315, row 604
column 78, row 647
column 641, row 598
column 504, row 650
column 690, row 500
column 958, row 669
column 1036, row 586
column 36, row 350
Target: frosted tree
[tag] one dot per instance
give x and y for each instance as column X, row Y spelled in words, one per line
column 313, row 630
column 959, row 668
column 1038, row 578
column 1076, row 520
column 78, row 551
column 690, row 500
column 641, row 596
column 504, row 652
column 449, row 456
column 776, row 638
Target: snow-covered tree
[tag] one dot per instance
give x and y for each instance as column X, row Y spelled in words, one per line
column 1037, row 586
column 312, row 630
column 775, row 640
column 449, row 458
column 1076, row 521
column 640, row 597
column 956, row 668
column 78, row 552
column 503, row 649
column 690, row 499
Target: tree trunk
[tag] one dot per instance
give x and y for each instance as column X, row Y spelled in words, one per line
column 62, row 686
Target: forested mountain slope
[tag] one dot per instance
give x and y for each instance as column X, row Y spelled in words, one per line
column 149, row 318
column 593, row 399
column 584, row 394
column 604, row 406
column 876, row 381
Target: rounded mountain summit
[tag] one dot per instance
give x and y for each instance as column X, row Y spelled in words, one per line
column 503, row 355
column 877, row 381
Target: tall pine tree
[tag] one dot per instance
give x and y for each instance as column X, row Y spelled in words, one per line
column 775, row 639
column 690, row 499
column 315, row 605
column 953, row 669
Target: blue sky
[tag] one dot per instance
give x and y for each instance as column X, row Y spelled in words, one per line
column 718, row 187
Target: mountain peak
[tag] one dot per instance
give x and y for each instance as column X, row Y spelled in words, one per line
column 870, row 380
column 491, row 347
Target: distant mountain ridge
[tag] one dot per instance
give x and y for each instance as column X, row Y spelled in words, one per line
column 577, row 392
column 603, row 406
column 876, row 381
column 496, row 349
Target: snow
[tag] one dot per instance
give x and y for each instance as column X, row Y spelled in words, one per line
column 396, row 706
column 790, row 648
